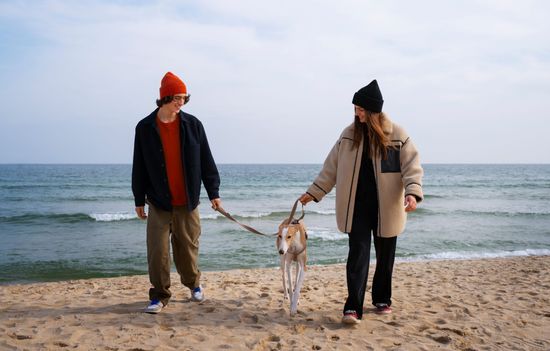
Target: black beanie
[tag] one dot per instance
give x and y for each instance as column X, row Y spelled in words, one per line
column 369, row 97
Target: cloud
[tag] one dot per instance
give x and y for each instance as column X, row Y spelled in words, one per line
column 273, row 82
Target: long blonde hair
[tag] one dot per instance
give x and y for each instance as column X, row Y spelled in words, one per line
column 379, row 142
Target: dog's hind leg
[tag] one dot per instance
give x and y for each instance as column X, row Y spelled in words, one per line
column 297, row 274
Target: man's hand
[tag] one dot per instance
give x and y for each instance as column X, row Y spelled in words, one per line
column 141, row 212
column 216, row 203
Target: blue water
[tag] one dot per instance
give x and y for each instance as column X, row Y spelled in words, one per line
column 61, row 222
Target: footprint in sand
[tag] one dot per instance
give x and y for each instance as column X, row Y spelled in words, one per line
column 248, row 318
column 423, row 327
column 299, row 328
column 197, row 338
column 331, row 319
column 443, row 339
column 60, row 344
column 467, row 311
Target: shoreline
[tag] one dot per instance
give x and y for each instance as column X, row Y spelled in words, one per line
column 398, row 260
column 477, row 304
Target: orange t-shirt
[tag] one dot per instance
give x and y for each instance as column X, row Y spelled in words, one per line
column 170, row 137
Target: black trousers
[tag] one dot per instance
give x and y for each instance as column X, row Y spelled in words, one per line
column 357, row 267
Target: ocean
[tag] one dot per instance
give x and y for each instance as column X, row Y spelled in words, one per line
column 61, row 222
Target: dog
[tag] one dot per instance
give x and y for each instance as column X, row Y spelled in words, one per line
column 291, row 245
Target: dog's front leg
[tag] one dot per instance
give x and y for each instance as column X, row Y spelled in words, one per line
column 288, row 268
column 283, row 273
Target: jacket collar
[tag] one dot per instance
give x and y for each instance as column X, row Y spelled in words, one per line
column 152, row 118
column 387, row 125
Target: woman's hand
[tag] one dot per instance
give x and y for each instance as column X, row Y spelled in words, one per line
column 305, row 198
column 410, row 203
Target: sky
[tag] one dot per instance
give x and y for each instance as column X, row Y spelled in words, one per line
column 272, row 81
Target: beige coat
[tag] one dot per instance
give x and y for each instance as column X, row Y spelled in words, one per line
column 396, row 177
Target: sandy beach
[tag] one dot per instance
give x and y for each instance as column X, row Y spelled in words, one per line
column 494, row 304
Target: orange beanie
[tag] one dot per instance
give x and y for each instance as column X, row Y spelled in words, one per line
column 171, row 85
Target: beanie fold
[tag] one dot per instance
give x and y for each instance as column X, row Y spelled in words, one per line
column 367, row 102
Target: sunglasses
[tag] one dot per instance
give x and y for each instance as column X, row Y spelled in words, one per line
column 179, row 98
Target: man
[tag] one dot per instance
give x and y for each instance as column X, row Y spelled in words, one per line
column 171, row 158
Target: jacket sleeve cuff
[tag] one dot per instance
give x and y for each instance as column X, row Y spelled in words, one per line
column 140, row 202
column 316, row 192
column 213, row 195
column 416, row 191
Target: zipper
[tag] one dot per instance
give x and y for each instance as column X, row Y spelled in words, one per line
column 378, row 199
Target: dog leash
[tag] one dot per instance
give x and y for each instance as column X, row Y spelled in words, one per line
column 290, row 219
column 293, row 211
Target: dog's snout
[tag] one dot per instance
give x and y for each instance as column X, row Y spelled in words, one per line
column 281, row 252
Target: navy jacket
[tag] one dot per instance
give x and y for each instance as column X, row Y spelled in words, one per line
column 149, row 178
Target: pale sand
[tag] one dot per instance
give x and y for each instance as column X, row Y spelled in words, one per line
column 497, row 304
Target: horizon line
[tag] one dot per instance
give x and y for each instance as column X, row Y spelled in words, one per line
column 255, row 163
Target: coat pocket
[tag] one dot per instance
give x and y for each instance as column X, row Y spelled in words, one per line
column 392, row 164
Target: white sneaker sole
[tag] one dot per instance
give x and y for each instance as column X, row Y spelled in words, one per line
column 154, row 310
column 197, row 300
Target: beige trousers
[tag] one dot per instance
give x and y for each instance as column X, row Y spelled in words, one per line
column 183, row 229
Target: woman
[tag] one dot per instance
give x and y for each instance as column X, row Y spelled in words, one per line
column 378, row 177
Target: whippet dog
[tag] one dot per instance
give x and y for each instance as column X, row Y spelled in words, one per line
column 291, row 244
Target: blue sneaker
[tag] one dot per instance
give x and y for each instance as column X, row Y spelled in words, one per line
column 155, row 306
column 197, row 294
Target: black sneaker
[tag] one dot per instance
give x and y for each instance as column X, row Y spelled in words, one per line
column 383, row 308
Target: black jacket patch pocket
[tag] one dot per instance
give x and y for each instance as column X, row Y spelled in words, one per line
column 392, row 164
